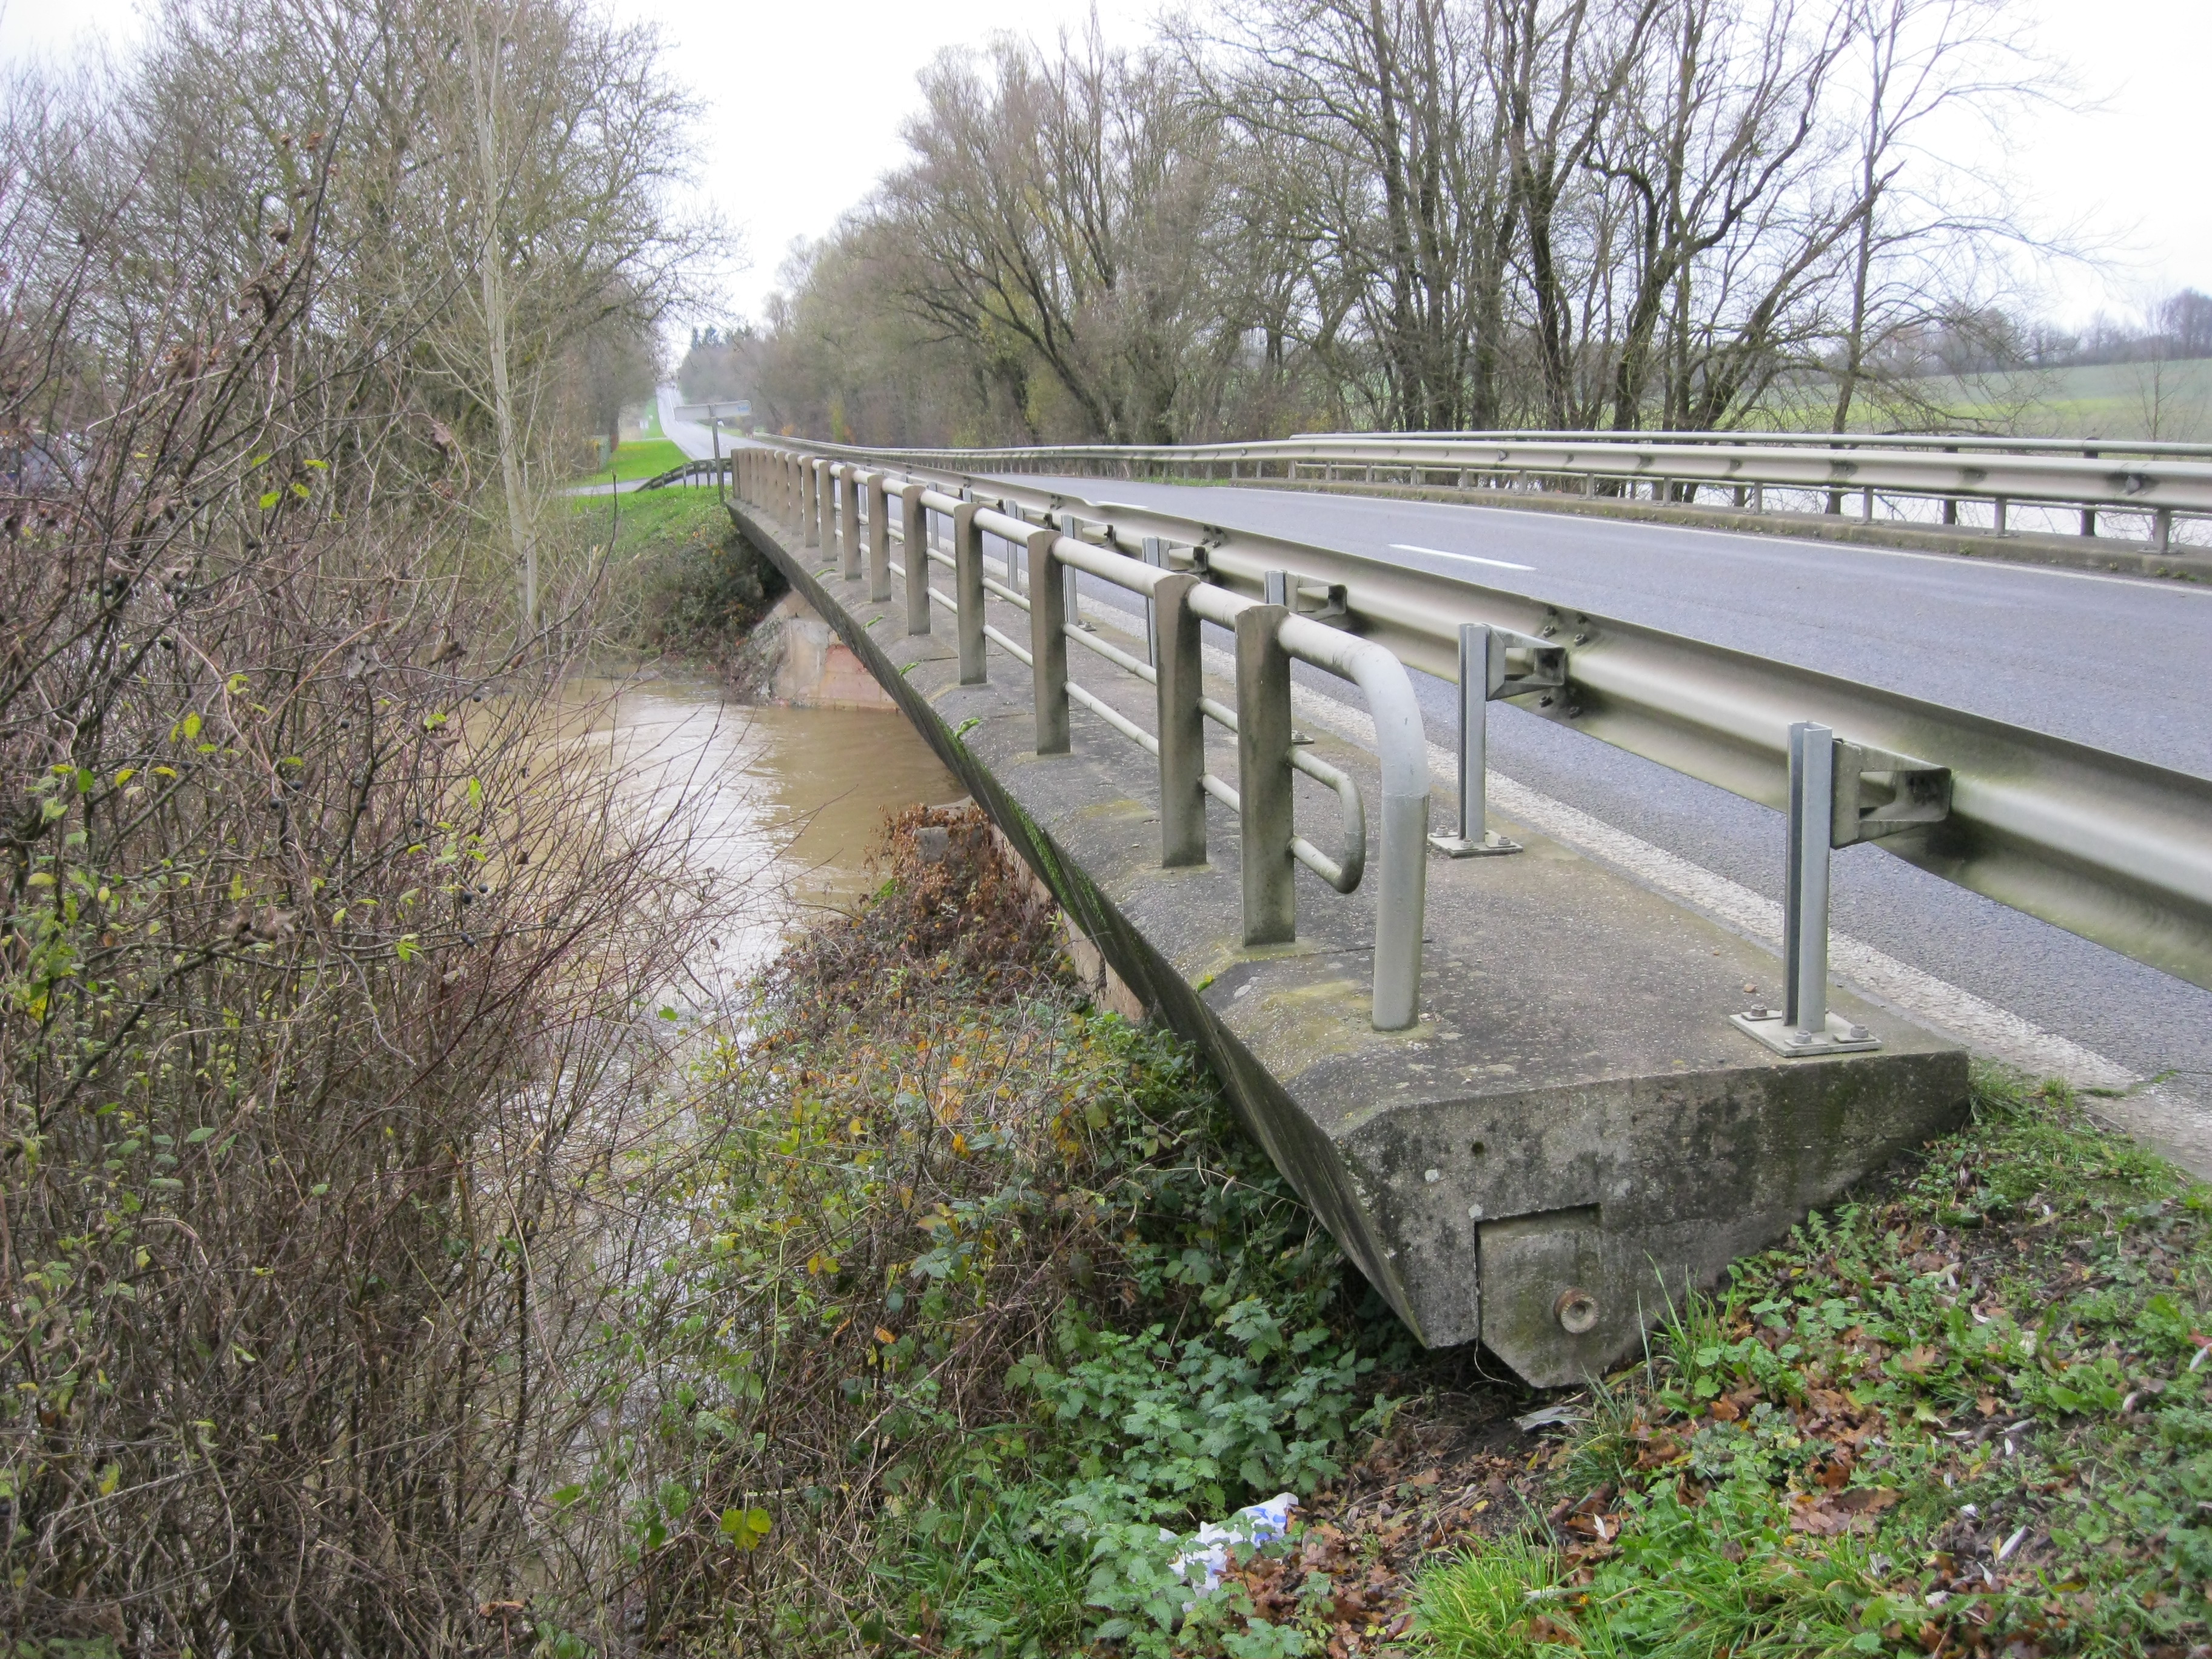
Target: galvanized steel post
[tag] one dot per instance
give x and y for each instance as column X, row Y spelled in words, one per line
column 1177, row 661
column 1155, row 555
column 848, row 521
column 1481, row 676
column 968, row 591
column 913, row 540
column 1048, row 645
column 880, row 542
column 1263, row 777
column 1805, row 1027
column 1805, row 922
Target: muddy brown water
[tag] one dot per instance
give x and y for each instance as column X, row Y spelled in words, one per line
column 788, row 804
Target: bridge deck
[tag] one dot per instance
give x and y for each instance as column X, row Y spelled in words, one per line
column 1572, row 1121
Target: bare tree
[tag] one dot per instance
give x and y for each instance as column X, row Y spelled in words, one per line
column 1058, row 207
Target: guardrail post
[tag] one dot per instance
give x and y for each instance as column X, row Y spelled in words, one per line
column 2161, row 530
column 1263, row 777
column 1048, row 644
column 1155, row 555
column 1072, row 598
column 968, row 590
column 1805, row 924
column 914, row 540
column 848, row 522
column 1481, row 676
column 1805, row 1026
column 880, row 542
column 1999, row 528
column 1180, row 681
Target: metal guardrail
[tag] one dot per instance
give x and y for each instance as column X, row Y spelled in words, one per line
column 2157, row 482
column 824, row 500
column 2115, row 849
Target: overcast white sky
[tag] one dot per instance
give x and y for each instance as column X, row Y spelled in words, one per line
column 804, row 103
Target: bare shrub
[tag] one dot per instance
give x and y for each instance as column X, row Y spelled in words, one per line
column 325, row 972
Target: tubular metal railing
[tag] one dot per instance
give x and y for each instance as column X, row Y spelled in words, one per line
column 2115, row 849
column 844, row 508
column 2158, row 484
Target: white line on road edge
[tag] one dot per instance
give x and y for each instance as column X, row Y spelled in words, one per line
column 2170, row 1126
column 1471, row 558
column 1821, row 544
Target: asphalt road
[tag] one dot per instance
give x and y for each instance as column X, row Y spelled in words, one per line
column 2123, row 663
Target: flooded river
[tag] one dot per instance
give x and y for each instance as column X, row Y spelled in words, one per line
column 787, row 804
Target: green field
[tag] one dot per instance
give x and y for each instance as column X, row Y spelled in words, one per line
column 2168, row 402
column 639, row 460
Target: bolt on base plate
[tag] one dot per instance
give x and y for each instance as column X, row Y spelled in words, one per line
column 1492, row 844
column 1843, row 1036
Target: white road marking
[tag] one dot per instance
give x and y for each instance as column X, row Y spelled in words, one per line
column 1804, row 544
column 1471, row 558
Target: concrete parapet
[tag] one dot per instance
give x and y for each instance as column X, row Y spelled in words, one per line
column 1570, row 1134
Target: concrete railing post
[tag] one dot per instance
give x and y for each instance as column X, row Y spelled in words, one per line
column 967, row 591
column 880, row 542
column 1048, row 643
column 848, row 521
column 815, row 484
column 1176, row 660
column 1263, row 777
column 913, row 534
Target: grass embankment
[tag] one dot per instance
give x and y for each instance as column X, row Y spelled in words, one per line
column 679, row 576
column 992, row 1303
column 639, row 458
column 983, row 1289
column 1966, row 1414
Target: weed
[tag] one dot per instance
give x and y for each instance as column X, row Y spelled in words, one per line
column 1962, row 1414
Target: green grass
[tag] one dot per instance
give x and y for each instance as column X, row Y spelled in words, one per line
column 2137, row 402
column 651, row 517
column 2001, row 1357
column 648, row 460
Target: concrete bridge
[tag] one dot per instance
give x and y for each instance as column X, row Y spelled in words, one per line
column 1520, row 1089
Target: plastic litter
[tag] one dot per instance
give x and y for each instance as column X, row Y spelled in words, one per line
column 1256, row 1523
column 1547, row 1417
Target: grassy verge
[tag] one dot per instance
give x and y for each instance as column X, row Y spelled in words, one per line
column 1966, row 1415
column 983, row 1290
column 645, row 458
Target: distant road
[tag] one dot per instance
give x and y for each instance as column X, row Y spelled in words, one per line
column 693, row 439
